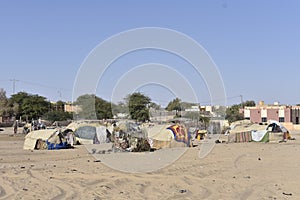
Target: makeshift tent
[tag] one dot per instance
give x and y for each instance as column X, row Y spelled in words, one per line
column 49, row 139
column 90, row 134
column 32, row 137
column 246, row 131
column 167, row 136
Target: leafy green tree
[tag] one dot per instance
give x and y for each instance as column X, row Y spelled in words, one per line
column 121, row 107
column 58, row 115
column 233, row 113
column 3, row 103
column 138, row 106
column 29, row 106
column 87, row 106
column 93, row 107
column 60, row 105
column 175, row 104
column 248, row 104
column 103, row 109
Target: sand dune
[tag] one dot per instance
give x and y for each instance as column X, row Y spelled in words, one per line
column 230, row 171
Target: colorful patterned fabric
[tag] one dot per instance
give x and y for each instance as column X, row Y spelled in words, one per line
column 243, row 136
column 180, row 133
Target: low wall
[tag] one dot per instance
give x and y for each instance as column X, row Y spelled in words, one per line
column 291, row 126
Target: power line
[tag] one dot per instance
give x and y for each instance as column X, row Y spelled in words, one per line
column 44, row 86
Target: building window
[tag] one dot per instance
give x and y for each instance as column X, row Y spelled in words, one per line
column 247, row 118
column 281, row 119
column 263, row 119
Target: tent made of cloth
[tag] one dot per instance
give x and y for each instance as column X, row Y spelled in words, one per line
column 162, row 136
column 49, row 139
column 91, row 134
column 246, row 131
column 32, row 137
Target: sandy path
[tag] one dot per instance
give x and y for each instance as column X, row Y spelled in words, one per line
column 230, row 171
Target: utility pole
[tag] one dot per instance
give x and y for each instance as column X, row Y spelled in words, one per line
column 14, row 84
column 242, row 101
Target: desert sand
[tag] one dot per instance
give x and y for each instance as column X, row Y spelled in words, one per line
column 230, row 171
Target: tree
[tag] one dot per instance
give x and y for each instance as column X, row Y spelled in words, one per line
column 138, row 106
column 93, row 107
column 60, row 105
column 28, row 106
column 233, row 113
column 87, row 106
column 57, row 115
column 103, row 109
column 174, row 105
column 248, row 104
column 3, row 102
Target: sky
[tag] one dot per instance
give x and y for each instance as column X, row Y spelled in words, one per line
column 255, row 45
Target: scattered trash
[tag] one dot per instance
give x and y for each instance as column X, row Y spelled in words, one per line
column 218, row 141
column 25, row 189
column 259, row 158
column 288, row 194
column 183, row 191
column 97, row 160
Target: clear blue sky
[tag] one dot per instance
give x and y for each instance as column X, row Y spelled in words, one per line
column 255, row 44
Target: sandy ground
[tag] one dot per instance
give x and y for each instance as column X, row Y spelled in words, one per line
column 230, row 171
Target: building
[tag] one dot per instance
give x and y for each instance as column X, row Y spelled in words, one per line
column 69, row 107
column 193, row 109
column 263, row 113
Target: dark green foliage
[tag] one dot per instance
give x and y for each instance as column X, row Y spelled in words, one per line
column 29, row 106
column 138, row 106
column 93, row 107
column 174, row 105
column 58, row 115
column 103, row 109
column 233, row 113
column 4, row 109
column 248, row 103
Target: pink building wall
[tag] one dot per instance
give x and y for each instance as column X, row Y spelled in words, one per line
column 287, row 115
column 255, row 115
column 272, row 114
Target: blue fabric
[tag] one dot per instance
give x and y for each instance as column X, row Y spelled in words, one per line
column 52, row 146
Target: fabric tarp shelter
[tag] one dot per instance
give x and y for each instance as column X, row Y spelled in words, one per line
column 160, row 136
column 32, row 137
column 91, row 134
column 263, row 132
